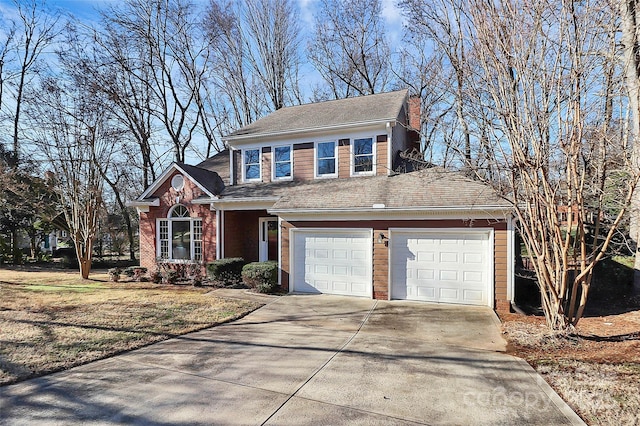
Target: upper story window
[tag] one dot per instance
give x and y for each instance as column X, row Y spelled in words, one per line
column 362, row 151
column 326, row 159
column 251, row 164
column 282, row 162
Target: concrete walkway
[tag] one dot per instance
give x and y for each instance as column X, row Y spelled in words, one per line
column 306, row 360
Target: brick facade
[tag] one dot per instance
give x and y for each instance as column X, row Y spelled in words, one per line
column 169, row 197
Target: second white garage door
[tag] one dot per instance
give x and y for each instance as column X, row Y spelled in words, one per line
column 332, row 261
column 445, row 267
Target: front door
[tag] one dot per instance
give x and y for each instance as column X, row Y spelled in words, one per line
column 268, row 239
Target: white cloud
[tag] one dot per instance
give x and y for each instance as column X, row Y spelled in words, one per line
column 393, row 19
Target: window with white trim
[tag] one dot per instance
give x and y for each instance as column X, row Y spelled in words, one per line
column 326, row 155
column 362, row 152
column 180, row 236
column 251, row 164
column 282, row 164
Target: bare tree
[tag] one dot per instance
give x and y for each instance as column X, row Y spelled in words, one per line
column 34, row 31
column 254, row 62
column 272, row 46
column 74, row 135
column 534, row 84
column 630, row 26
column 118, row 69
column 83, row 63
column 542, row 68
column 442, row 25
column 349, row 49
column 166, row 31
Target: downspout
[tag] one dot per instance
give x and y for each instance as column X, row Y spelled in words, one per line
column 279, row 252
column 510, row 259
column 218, row 231
column 221, row 234
column 389, row 141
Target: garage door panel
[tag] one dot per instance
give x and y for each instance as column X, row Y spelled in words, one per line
column 334, row 262
column 448, row 268
column 448, row 257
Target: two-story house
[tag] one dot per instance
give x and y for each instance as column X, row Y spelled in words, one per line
column 322, row 189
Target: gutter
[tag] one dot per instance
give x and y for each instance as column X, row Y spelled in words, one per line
column 381, row 208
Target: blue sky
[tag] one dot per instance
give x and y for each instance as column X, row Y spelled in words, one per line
column 86, row 9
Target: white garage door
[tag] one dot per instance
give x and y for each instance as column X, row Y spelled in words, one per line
column 441, row 267
column 332, row 261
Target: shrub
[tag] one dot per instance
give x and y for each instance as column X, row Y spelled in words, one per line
column 261, row 276
column 170, row 277
column 128, row 272
column 156, row 277
column 114, row 274
column 228, row 270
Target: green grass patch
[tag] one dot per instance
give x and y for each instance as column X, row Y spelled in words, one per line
column 627, row 261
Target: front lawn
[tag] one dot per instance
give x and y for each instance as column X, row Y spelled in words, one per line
column 52, row 320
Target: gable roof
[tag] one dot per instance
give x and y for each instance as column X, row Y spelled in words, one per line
column 219, row 163
column 206, row 180
column 362, row 110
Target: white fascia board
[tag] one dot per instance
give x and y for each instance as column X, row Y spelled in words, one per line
column 239, row 139
column 153, row 202
column 497, row 213
column 204, row 200
column 248, row 203
column 160, row 180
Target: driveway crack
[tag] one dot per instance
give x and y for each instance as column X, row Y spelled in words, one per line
column 322, row 367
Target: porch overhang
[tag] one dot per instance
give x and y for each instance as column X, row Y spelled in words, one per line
column 142, row 205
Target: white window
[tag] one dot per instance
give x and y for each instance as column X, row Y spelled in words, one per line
column 251, row 164
column 362, row 151
column 282, row 164
column 326, row 159
column 180, row 236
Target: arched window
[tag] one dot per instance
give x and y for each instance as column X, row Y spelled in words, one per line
column 179, row 211
column 179, row 235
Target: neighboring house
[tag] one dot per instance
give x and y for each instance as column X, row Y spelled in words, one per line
column 314, row 187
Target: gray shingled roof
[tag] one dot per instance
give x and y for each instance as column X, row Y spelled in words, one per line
column 219, row 163
column 430, row 188
column 320, row 115
column 210, row 180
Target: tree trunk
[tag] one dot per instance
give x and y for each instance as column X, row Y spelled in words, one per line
column 630, row 23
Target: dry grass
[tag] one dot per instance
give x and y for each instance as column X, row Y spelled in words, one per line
column 599, row 378
column 52, row 320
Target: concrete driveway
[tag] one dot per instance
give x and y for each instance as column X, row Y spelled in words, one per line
column 306, row 360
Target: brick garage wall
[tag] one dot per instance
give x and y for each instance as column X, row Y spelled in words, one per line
column 169, row 197
column 381, row 250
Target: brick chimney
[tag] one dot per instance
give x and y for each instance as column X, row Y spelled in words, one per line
column 414, row 112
